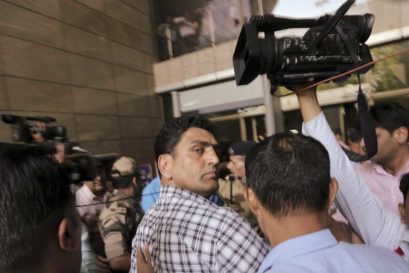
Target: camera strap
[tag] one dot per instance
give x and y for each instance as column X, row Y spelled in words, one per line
column 367, row 124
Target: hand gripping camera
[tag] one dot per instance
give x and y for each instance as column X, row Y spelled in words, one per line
column 332, row 45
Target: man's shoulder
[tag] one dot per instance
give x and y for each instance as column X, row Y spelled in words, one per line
column 164, row 210
column 370, row 254
column 113, row 207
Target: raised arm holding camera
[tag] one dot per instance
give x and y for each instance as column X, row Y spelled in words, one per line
column 364, row 211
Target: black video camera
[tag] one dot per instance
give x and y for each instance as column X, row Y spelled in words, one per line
column 332, row 45
column 23, row 129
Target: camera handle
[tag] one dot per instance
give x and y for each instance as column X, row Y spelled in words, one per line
column 333, row 21
column 367, row 124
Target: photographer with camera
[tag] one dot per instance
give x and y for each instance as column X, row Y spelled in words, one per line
column 39, row 134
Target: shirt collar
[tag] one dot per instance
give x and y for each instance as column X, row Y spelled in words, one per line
column 380, row 170
column 171, row 191
column 299, row 245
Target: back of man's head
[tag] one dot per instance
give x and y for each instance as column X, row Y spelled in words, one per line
column 290, row 174
column 171, row 132
column 34, row 197
column 390, row 116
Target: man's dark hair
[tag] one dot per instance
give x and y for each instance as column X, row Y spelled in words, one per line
column 404, row 186
column 289, row 174
column 390, row 116
column 34, row 197
column 171, row 132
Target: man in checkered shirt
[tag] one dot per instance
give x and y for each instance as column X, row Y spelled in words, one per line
column 186, row 232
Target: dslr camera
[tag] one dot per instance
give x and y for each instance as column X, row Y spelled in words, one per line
column 331, row 46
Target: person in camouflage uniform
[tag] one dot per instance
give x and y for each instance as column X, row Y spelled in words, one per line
column 231, row 188
column 121, row 215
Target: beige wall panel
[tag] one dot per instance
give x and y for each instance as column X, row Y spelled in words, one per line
column 85, row 18
column 127, row 35
column 127, row 14
column 147, row 150
column 206, row 59
column 50, row 8
column 224, row 56
column 141, row 5
column 132, row 148
column 86, row 43
column 29, row 95
column 150, row 85
column 385, row 9
column 190, row 65
column 147, row 45
column 103, row 147
column 94, row 4
column 130, row 81
column 148, row 62
column 175, row 70
column 141, row 150
column 404, row 7
column 135, row 127
column 92, row 101
column 133, row 105
column 161, row 72
column 33, row 61
column 155, row 106
column 156, row 125
column 128, row 57
column 18, row 22
column 90, row 73
column 5, row 132
column 3, row 97
column 92, row 127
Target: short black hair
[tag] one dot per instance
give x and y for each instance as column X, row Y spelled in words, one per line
column 171, row 132
column 390, row 116
column 289, row 173
column 404, row 185
column 34, row 196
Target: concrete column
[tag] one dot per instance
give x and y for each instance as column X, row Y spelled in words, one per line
column 273, row 116
column 176, row 104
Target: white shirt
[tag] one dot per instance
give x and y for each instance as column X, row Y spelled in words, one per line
column 84, row 198
column 366, row 214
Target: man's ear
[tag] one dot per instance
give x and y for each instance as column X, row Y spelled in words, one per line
column 401, row 135
column 333, row 189
column 69, row 234
column 135, row 181
column 165, row 165
column 252, row 200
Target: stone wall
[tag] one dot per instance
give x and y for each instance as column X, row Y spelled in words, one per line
column 87, row 63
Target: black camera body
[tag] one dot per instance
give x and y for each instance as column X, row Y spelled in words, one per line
column 331, row 46
column 23, row 128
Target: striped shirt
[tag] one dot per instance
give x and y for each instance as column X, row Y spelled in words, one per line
column 187, row 233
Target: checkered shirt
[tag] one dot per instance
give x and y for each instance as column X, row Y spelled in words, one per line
column 187, row 233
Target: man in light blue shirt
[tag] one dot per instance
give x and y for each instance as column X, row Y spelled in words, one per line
column 290, row 190
column 150, row 193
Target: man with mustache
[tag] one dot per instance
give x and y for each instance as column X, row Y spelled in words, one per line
column 184, row 230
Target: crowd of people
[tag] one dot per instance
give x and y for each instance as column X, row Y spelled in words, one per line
column 272, row 213
column 216, row 21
